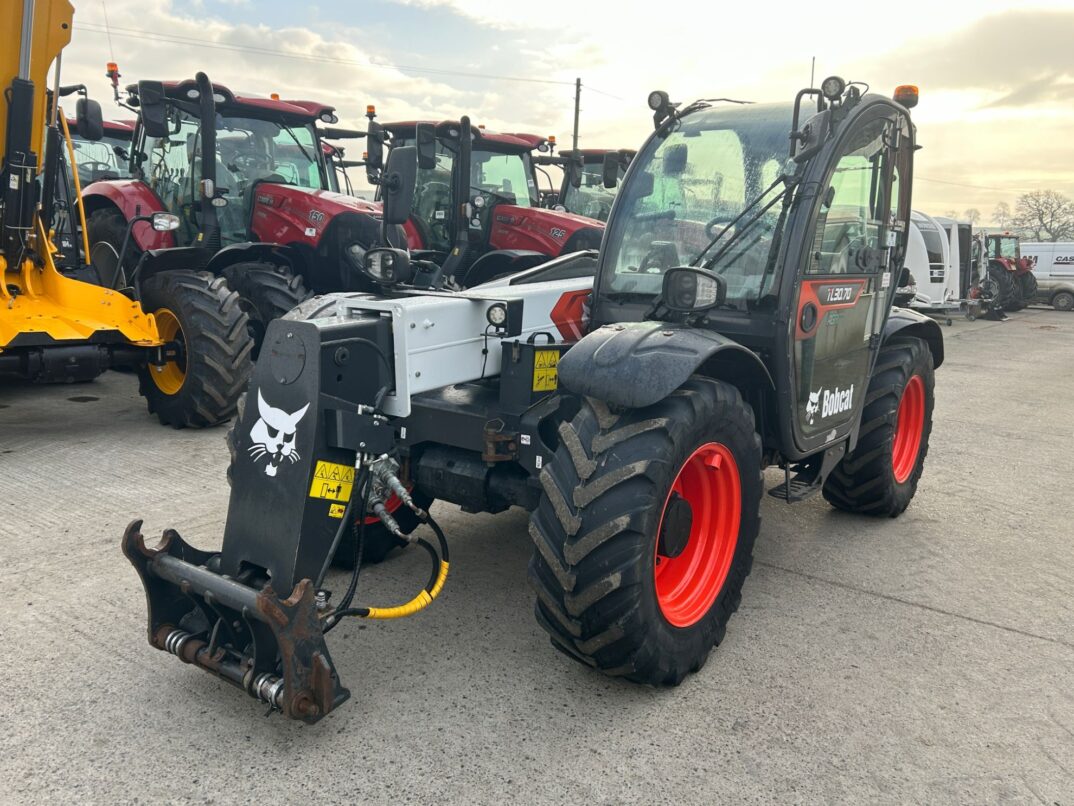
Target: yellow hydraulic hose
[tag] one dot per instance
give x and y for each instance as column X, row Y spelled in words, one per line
column 78, row 185
column 419, row 602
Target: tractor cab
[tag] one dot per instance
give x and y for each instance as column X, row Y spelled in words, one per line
column 106, row 158
column 257, row 141
column 591, row 178
column 1003, row 246
column 474, row 211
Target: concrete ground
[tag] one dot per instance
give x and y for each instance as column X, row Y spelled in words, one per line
column 924, row 659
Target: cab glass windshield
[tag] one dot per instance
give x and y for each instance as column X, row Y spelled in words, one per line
column 591, row 198
column 688, row 187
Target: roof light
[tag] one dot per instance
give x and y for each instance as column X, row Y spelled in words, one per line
column 274, row 96
column 832, row 88
column 110, row 68
column 552, row 139
column 480, row 125
column 906, row 94
column 658, row 99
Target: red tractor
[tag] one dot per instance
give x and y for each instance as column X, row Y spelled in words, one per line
column 263, row 212
column 591, row 177
column 1012, row 273
column 476, row 214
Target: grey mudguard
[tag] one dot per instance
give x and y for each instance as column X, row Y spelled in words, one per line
column 637, row 364
column 906, row 322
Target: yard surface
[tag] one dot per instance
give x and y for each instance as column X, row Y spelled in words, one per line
column 928, row 658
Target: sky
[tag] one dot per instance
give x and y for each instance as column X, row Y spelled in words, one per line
column 996, row 117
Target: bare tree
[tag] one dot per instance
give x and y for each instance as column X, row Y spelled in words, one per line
column 973, row 215
column 1001, row 216
column 1044, row 215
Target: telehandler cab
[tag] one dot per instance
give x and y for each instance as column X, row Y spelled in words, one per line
column 63, row 316
column 591, row 177
column 741, row 318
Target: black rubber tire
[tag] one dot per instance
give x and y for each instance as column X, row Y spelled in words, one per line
column 864, row 482
column 595, row 530
column 1006, row 290
column 1063, row 301
column 109, row 225
column 378, row 542
column 1027, row 284
column 266, row 291
column 218, row 349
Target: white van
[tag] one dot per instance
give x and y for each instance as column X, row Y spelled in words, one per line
column 933, row 258
column 1053, row 266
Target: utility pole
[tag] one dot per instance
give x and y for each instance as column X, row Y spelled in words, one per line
column 577, row 106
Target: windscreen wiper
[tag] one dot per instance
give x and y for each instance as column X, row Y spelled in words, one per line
column 738, row 218
column 301, row 147
column 785, row 197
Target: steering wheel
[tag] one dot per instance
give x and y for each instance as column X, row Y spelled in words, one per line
column 251, row 161
column 720, row 219
column 93, row 167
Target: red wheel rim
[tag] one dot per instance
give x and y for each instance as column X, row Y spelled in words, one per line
column 392, row 504
column 687, row 585
column 909, row 427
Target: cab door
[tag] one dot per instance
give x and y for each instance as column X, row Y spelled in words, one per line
column 848, row 276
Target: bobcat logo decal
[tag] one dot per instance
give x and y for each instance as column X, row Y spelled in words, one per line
column 812, row 406
column 273, row 435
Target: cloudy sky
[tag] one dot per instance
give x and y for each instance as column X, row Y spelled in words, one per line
column 996, row 117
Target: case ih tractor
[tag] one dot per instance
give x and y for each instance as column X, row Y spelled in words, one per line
column 590, row 180
column 263, row 212
column 1012, row 274
column 107, row 157
column 64, row 318
column 476, row 209
column 741, row 318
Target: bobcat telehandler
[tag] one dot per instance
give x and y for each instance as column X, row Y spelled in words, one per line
column 741, row 317
column 70, row 321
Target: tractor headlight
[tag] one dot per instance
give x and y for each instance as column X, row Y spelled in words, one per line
column 381, row 265
column 832, row 87
column 387, row 266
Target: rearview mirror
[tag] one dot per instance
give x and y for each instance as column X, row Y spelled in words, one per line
column 154, row 109
column 88, row 119
column 398, row 184
column 574, row 171
column 425, row 137
column 610, row 170
column 675, row 159
column 374, row 159
column 689, row 289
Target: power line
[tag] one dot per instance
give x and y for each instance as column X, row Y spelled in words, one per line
column 135, row 33
column 973, row 187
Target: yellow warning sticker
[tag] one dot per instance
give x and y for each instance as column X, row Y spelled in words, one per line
column 332, row 481
column 336, row 510
column 545, row 370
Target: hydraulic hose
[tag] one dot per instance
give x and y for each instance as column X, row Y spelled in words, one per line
column 359, row 481
column 437, row 579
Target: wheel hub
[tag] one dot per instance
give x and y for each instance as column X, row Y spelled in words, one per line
column 676, row 527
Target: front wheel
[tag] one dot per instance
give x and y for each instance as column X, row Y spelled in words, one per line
column 644, row 533
column 880, row 476
column 1063, row 301
column 198, row 312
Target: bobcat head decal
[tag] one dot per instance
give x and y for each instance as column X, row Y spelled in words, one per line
column 273, row 435
column 812, row 406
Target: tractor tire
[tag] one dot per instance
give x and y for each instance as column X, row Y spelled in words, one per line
column 1027, row 284
column 109, row 225
column 197, row 309
column 879, row 477
column 378, row 542
column 618, row 589
column 1005, row 286
column 266, row 291
column 1063, row 301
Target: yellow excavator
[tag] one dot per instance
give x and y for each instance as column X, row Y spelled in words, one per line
column 181, row 329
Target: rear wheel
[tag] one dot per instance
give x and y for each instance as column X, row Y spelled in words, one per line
column 1005, row 288
column 198, row 311
column 644, row 534
column 880, row 476
column 1063, row 301
column 266, row 291
column 1027, row 284
column 108, row 225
